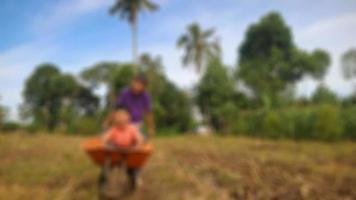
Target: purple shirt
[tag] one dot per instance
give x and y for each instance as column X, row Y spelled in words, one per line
column 137, row 104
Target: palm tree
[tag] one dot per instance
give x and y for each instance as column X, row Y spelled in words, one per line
column 129, row 10
column 198, row 46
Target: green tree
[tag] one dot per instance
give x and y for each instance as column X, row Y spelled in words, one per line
column 41, row 95
column 129, row 10
column 170, row 105
column 114, row 76
column 51, row 97
column 349, row 65
column 173, row 108
column 3, row 112
column 153, row 68
column 99, row 74
column 198, row 46
column 323, row 95
column 270, row 61
column 86, row 102
column 215, row 95
column 82, row 103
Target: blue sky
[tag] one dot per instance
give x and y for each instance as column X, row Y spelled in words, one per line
column 77, row 33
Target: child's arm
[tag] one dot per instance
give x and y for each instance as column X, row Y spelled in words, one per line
column 138, row 137
column 107, row 121
column 140, row 140
column 106, row 136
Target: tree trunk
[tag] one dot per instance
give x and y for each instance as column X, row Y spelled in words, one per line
column 134, row 46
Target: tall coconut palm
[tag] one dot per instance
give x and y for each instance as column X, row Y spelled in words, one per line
column 129, row 10
column 198, row 46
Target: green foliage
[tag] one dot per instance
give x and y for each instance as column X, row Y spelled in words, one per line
column 121, row 76
column 349, row 122
column 269, row 65
column 43, row 96
column 270, row 61
column 198, row 46
column 323, row 95
column 324, row 122
column 215, row 95
column 171, row 105
column 51, row 97
column 129, row 9
column 349, row 63
column 10, row 126
column 249, row 122
column 173, row 108
column 304, row 122
column 349, row 101
column 99, row 73
column 3, row 113
column 275, row 124
column 113, row 75
column 319, row 61
column 328, row 124
column 86, row 126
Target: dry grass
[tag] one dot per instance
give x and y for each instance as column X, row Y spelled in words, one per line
column 53, row 167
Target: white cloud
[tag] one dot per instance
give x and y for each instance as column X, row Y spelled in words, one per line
column 65, row 12
column 15, row 66
column 341, row 24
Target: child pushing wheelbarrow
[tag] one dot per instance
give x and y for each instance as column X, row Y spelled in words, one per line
column 123, row 145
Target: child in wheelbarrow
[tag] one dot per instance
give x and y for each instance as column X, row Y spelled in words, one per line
column 123, row 136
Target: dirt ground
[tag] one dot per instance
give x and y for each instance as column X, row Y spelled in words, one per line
column 52, row 166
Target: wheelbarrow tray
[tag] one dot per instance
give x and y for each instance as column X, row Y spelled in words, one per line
column 99, row 154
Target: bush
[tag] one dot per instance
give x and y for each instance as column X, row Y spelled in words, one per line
column 324, row 122
column 349, row 122
column 328, row 124
column 241, row 126
column 249, row 122
column 86, row 126
column 304, row 120
column 273, row 125
column 10, row 126
column 33, row 128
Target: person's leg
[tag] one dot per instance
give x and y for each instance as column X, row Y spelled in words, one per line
column 104, row 172
column 132, row 176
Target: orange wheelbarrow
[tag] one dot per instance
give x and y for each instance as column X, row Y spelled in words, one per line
column 108, row 158
column 134, row 158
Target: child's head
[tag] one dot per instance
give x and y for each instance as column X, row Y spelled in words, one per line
column 121, row 115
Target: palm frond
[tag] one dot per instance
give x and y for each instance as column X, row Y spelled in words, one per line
column 208, row 33
column 121, row 8
column 151, row 6
column 187, row 58
column 198, row 46
column 216, row 47
column 183, row 40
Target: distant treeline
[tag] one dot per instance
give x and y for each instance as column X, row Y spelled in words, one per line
column 255, row 98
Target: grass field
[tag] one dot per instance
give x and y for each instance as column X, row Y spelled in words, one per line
column 53, row 167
